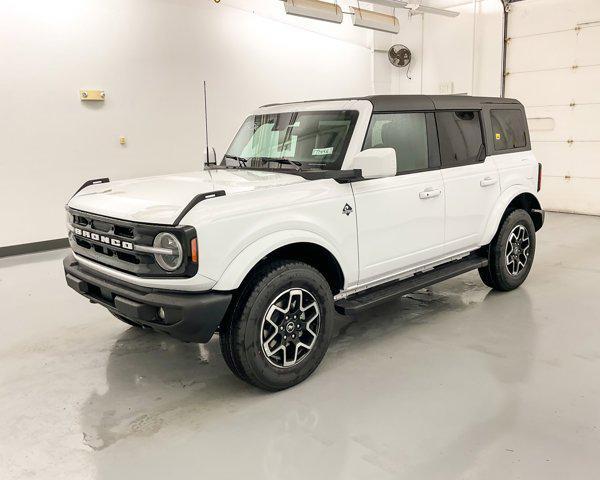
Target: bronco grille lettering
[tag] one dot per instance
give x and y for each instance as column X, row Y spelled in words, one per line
column 115, row 242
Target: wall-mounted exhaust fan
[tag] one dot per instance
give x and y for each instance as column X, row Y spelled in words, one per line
column 399, row 55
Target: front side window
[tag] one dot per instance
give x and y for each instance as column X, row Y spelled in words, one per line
column 509, row 129
column 406, row 133
column 293, row 139
column 461, row 142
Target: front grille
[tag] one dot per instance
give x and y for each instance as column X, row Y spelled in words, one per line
column 112, row 242
column 109, row 251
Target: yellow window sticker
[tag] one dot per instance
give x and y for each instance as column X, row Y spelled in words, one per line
column 498, row 136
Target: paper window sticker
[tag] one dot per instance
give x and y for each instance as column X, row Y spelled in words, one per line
column 322, row 151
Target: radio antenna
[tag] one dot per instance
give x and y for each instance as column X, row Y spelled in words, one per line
column 206, row 125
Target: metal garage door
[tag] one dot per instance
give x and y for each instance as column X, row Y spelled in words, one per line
column 553, row 66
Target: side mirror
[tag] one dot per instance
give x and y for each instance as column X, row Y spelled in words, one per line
column 376, row 162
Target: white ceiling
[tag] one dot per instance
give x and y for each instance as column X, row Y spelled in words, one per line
column 431, row 3
column 442, row 3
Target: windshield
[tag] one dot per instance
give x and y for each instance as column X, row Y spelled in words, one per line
column 293, row 140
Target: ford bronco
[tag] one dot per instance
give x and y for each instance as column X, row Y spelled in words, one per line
column 316, row 208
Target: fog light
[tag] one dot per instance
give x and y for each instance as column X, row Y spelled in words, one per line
column 161, row 313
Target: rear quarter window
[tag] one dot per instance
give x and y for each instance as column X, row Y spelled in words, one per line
column 509, row 129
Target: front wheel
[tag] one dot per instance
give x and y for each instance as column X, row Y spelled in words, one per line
column 511, row 253
column 280, row 326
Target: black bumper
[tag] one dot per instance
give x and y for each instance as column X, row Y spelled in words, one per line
column 191, row 317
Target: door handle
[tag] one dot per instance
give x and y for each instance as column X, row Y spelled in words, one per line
column 429, row 193
column 488, row 181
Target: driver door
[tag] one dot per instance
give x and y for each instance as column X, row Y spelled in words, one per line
column 400, row 219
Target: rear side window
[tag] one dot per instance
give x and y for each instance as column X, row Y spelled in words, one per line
column 461, row 141
column 509, row 129
column 404, row 132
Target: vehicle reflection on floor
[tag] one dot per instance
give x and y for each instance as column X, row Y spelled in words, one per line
column 155, row 383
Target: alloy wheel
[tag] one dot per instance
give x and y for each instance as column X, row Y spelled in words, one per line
column 290, row 327
column 517, row 250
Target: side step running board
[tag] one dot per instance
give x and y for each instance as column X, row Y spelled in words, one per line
column 390, row 291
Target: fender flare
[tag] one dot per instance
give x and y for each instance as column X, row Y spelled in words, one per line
column 501, row 205
column 253, row 253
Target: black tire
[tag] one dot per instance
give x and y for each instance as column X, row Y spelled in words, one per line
column 127, row 321
column 243, row 332
column 499, row 274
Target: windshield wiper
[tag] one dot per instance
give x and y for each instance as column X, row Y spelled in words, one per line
column 241, row 160
column 282, row 161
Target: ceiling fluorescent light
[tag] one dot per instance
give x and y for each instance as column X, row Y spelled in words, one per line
column 330, row 12
column 414, row 7
column 375, row 21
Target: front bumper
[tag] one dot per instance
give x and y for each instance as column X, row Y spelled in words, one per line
column 191, row 317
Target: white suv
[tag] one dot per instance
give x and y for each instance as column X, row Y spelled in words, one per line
column 316, row 207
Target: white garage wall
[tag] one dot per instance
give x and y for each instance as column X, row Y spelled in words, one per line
column 151, row 57
column 553, row 61
column 463, row 52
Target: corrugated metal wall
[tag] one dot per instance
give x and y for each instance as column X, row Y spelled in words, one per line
column 553, row 65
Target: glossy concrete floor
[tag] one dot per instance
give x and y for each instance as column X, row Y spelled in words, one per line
column 454, row 383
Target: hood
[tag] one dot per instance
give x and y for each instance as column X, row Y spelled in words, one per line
column 161, row 199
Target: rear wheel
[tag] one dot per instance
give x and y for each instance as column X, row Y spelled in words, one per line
column 511, row 253
column 280, row 326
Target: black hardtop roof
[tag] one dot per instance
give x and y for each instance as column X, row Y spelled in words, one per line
column 395, row 103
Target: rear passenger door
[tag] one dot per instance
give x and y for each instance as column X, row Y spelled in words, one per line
column 400, row 219
column 471, row 179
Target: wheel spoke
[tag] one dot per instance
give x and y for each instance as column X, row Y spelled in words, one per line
column 273, row 324
column 291, row 304
column 275, row 308
column 268, row 341
column 285, row 360
column 309, row 306
column 284, row 356
column 272, row 352
column 302, row 344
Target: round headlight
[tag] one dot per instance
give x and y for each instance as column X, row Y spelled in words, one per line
column 168, row 261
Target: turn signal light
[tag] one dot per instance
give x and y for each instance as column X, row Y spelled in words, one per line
column 194, row 249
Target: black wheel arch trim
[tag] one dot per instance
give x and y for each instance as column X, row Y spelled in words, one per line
column 94, row 181
column 195, row 201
